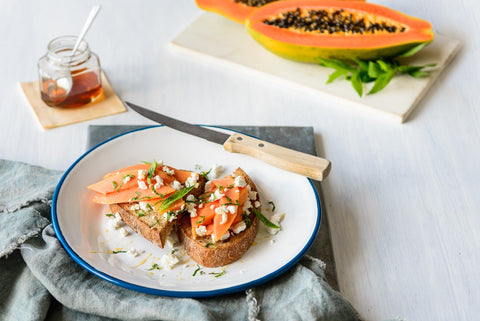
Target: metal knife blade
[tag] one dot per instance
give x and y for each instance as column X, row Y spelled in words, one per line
column 288, row 159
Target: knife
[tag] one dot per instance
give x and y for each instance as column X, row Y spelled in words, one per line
column 288, row 159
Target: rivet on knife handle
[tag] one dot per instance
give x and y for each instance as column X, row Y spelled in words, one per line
column 288, row 159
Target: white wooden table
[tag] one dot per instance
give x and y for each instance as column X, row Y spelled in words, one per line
column 403, row 200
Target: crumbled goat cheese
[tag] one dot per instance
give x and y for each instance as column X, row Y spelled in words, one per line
column 216, row 171
column 240, row 181
column 142, row 174
column 192, row 180
column 257, row 204
column 126, row 179
column 176, row 185
column 169, row 260
column 170, row 216
column 193, row 212
column 275, row 219
column 172, row 240
column 135, row 207
column 190, row 206
column 201, row 230
column 133, row 252
column 143, row 206
column 158, row 182
column 142, row 185
column 208, row 186
column 247, row 205
column 167, row 170
column 251, row 194
column 123, row 232
column 224, row 218
column 221, row 210
column 218, row 194
column 115, row 221
column 239, row 227
column 232, row 209
column 225, row 236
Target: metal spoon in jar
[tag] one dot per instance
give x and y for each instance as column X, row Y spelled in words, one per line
column 88, row 23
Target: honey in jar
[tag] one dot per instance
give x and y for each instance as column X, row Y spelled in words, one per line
column 68, row 80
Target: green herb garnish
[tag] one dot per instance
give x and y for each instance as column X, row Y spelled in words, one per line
column 109, row 215
column 217, row 274
column 263, row 219
column 208, row 244
column 138, row 198
column 140, row 213
column 205, row 174
column 116, row 252
column 151, row 172
column 379, row 71
column 197, row 270
column 115, row 185
column 247, row 220
column 202, row 220
column 273, row 205
column 154, row 267
column 174, row 197
column 157, row 193
column 155, row 223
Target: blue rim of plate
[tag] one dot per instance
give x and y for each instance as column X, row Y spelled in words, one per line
column 178, row 294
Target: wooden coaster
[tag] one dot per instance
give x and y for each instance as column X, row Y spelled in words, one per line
column 50, row 117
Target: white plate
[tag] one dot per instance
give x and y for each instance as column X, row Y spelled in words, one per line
column 82, row 226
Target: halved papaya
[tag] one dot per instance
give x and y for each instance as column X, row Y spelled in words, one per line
column 236, row 10
column 305, row 30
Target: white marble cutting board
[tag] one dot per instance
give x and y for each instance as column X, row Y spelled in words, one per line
column 226, row 42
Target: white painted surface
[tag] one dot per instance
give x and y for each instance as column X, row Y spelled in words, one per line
column 403, row 200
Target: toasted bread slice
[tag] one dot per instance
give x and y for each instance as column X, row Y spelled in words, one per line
column 206, row 253
column 152, row 225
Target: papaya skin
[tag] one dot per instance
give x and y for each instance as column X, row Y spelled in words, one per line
column 237, row 12
column 309, row 47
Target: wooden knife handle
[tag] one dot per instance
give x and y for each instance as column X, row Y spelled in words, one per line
column 278, row 156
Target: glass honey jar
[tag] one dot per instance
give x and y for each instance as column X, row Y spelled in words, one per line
column 66, row 80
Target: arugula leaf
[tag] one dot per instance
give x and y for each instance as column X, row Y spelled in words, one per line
column 357, row 83
column 413, row 50
column 263, row 219
column 380, row 71
column 382, row 81
column 335, row 75
column 174, row 197
column 374, row 69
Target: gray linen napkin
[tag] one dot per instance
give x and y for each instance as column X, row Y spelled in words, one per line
column 41, row 282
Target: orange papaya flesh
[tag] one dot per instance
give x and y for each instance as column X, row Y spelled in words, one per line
column 235, row 10
column 206, row 211
column 128, row 177
column 234, row 197
column 116, row 182
column 175, row 207
column 134, row 168
column 132, row 195
column 205, row 215
column 365, row 30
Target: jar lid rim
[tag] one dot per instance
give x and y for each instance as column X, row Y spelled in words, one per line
column 59, row 47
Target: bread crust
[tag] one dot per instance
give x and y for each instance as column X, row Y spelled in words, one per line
column 221, row 253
